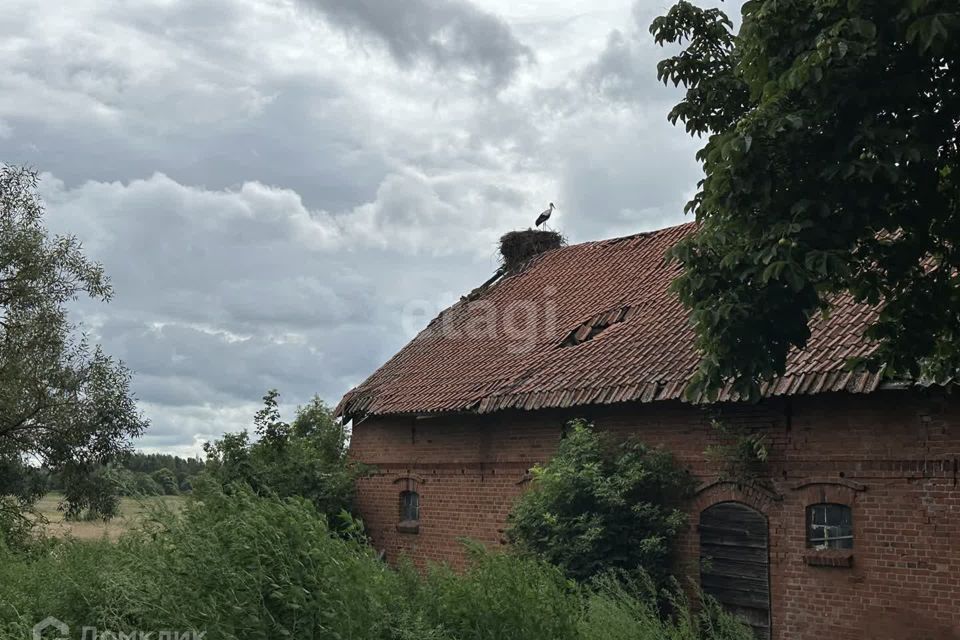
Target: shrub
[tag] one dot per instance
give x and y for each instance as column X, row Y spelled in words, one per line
column 498, row 597
column 233, row 566
column 89, row 493
column 167, row 480
column 503, row 596
column 602, row 505
column 145, row 485
column 627, row 608
column 67, row 579
column 240, row 566
column 17, row 523
column 307, row 457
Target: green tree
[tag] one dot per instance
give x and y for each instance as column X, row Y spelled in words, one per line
column 167, row 481
column 307, row 457
column 21, row 484
column 145, row 485
column 64, row 404
column 601, row 505
column 90, row 492
column 831, row 170
column 150, row 462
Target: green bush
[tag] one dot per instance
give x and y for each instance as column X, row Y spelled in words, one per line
column 499, row 597
column 90, row 492
column 234, row 566
column 16, row 523
column 240, row 566
column 629, row 608
column 145, row 485
column 167, row 481
column 67, row 579
column 601, row 505
column 307, row 457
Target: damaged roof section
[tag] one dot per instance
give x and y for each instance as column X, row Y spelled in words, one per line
column 597, row 325
column 591, row 323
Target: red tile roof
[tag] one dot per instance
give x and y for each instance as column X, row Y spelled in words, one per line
column 592, row 323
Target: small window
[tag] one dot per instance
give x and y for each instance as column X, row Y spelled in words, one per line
column 829, row 526
column 409, row 506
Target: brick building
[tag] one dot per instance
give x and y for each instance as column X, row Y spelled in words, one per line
column 856, row 533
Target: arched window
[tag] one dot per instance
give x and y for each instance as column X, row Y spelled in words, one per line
column 829, row 526
column 410, row 507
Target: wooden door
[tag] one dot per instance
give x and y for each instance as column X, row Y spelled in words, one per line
column 734, row 562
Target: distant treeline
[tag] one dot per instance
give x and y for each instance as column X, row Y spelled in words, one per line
column 144, row 474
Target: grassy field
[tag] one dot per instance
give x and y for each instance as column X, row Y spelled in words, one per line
column 131, row 511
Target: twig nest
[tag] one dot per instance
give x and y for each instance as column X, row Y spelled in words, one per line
column 517, row 247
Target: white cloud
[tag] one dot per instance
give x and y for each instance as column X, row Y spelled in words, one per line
column 273, row 184
column 222, row 294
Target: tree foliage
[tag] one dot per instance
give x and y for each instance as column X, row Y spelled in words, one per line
column 601, row 505
column 831, row 169
column 64, row 404
column 167, row 480
column 136, row 474
column 151, row 462
column 306, row 457
column 741, row 453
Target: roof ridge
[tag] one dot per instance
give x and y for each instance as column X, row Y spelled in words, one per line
column 631, row 236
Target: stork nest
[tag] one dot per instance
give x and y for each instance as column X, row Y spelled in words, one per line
column 517, row 247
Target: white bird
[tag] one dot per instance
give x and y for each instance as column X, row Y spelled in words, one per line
column 543, row 217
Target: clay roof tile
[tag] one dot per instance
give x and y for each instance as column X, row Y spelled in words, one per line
column 631, row 340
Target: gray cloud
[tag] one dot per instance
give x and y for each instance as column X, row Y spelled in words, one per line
column 278, row 211
column 220, row 295
column 446, row 33
column 626, row 68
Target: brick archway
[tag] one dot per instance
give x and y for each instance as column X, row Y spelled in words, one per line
column 717, row 490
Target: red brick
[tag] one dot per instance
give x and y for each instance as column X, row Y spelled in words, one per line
column 901, row 448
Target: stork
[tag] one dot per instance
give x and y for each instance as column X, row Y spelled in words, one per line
column 543, row 217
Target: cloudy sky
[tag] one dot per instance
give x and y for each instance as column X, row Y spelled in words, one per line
column 285, row 191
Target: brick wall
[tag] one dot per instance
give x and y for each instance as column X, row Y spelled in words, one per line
column 891, row 456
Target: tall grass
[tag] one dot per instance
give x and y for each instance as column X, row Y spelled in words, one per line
column 499, row 597
column 246, row 567
column 629, row 607
column 234, row 567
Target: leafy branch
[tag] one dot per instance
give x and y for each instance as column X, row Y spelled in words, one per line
column 742, row 453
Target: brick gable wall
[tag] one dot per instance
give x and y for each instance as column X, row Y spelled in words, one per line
column 892, row 456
